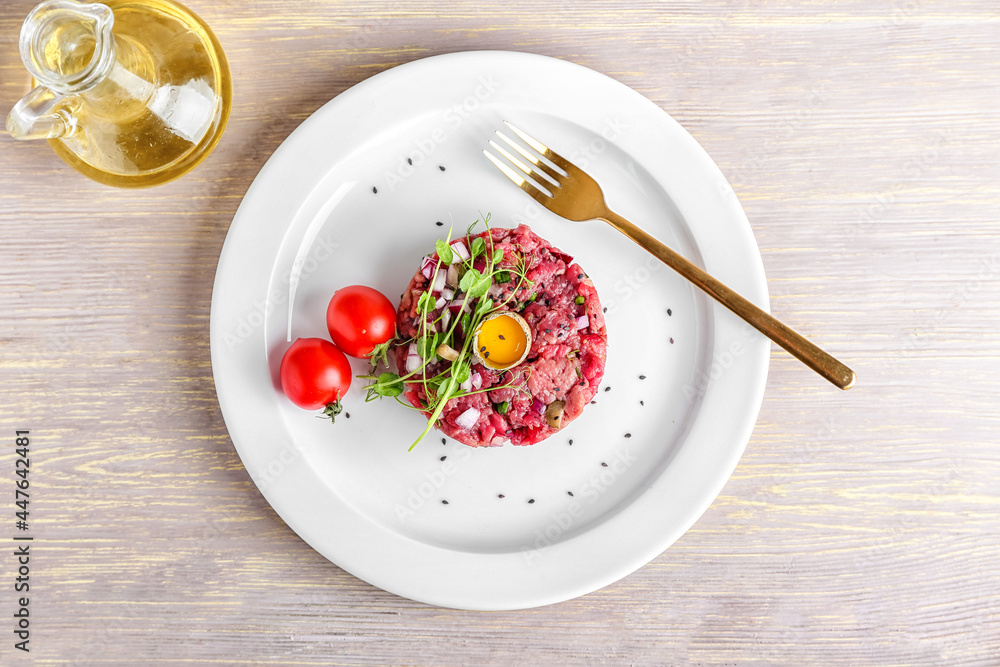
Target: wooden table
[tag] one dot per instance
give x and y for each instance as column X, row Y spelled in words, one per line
column 861, row 527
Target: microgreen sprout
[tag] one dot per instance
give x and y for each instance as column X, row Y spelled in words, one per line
column 453, row 324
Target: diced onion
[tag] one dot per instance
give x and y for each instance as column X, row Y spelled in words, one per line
column 467, row 385
column 448, row 293
column 461, row 304
column 427, row 267
column 440, row 302
column 582, row 322
column 438, row 283
column 467, row 419
column 538, row 406
column 452, row 279
column 477, row 380
column 412, row 358
column 460, row 250
column 445, row 319
column 495, row 292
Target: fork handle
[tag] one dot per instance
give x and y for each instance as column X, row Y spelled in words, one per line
column 796, row 344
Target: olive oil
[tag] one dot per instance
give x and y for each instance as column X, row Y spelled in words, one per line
column 158, row 109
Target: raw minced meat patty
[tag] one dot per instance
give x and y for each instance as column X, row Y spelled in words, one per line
column 564, row 363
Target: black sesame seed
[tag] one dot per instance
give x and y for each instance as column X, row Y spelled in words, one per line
column 571, row 442
column 642, row 377
column 439, row 223
column 583, row 383
column 443, row 441
column 628, row 435
column 669, row 312
column 486, row 354
column 409, row 160
column 548, row 331
column 593, row 402
column 531, row 502
column 441, row 167
column 444, row 502
column 501, row 337
column 443, row 458
column 605, row 310
column 642, row 402
column 671, row 341
column 603, row 464
column 579, row 276
column 501, row 496
column 607, row 389
column 570, row 492
column 375, row 190
column 560, row 334
column 482, row 349
column 347, row 415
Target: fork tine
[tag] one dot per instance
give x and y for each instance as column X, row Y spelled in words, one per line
column 543, row 184
column 523, row 183
column 556, row 159
column 513, row 160
column 534, row 178
column 545, row 169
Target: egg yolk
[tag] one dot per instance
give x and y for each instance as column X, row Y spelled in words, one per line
column 503, row 339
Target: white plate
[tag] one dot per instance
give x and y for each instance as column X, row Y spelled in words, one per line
column 339, row 203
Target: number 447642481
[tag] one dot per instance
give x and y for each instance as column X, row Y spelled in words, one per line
column 22, row 465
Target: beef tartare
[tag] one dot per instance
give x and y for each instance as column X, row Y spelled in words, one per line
column 469, row 281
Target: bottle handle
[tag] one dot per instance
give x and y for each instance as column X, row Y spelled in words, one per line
column 41, row 114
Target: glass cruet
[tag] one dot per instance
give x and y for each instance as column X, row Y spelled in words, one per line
column 131, row 93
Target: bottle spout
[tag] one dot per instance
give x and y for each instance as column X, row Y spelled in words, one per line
column 66, row 45
column 68, row 48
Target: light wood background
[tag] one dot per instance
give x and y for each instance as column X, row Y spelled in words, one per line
column 860, row 528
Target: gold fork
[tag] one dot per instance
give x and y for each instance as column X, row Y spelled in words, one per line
column 568, row 191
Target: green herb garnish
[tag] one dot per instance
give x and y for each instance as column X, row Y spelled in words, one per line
column 387, row 384
column 478, row 247
column 439, row 378
column 476, row 284
column 444, row 251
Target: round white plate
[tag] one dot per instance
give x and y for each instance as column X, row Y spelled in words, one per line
column 354, row 196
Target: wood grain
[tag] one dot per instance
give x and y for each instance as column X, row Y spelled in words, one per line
column 860, row 528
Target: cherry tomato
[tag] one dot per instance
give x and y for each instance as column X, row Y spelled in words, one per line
column 361, row 321
column 315, row 374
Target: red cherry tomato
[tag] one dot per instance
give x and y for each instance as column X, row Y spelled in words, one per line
column 315, row 374
column 361, row 320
